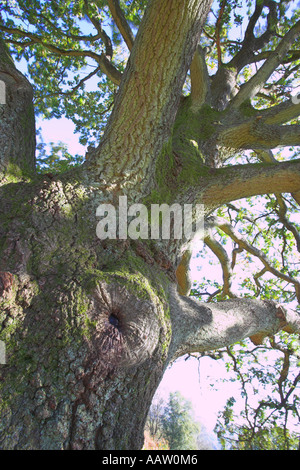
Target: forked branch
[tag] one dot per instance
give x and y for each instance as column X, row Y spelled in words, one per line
column 102, row 60
column 104, row 36
column 224, row 260
column 255, row 84
column 282, row 208
column 242, row 243
column 201, row 327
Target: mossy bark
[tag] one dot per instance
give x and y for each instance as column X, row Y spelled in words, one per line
column 85, row 323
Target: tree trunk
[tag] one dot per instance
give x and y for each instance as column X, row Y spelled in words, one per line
column 90, row 325
column 85, row 324
column 17, row 122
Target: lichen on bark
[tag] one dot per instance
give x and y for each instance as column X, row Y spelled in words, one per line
column 65, row 288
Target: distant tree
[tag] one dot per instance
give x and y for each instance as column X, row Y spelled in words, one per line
column 154, row 418
column 179, row 426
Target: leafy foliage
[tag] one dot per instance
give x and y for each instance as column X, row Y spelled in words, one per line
column 55, row 159
column 178, row 425
column 263, row 259
column 63, row 53
column 75, row 54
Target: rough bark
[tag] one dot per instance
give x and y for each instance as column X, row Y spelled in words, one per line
column 86, row 332
column 89, row 325
column 149, row 95
column 203, row 327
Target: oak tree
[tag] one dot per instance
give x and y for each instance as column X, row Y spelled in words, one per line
column 90, row 325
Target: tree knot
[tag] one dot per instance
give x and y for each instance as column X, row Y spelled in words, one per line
column 126, row 326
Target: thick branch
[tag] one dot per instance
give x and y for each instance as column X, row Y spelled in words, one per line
column 236, row 182
column 201, row 327
column 281, row 113
column 255, row 134
column 121, row 22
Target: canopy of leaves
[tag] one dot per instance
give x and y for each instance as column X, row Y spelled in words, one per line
column 69, row 48
column 75, row 53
